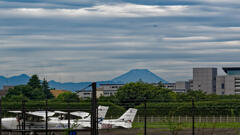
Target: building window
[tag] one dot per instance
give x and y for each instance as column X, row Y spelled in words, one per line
column 223, row 86
column 86, row 93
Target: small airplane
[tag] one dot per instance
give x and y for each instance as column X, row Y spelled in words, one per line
column 62, row 123
column 33, row 120
column 37, row 119
column 125, row 121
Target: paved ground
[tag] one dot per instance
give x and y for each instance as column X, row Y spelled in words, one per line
column 155, row 132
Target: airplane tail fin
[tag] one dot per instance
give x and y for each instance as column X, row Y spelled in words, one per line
column 129, row 115
column 102, row 111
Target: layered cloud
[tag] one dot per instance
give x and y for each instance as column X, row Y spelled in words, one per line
column 89, row 40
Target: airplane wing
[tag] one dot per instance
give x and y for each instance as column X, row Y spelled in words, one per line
column 77, row 113
column 80, row 114
column 60, row 112
column 36, row 113
column 15, row 112
column 40, row 114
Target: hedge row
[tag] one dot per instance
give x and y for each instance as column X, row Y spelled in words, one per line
column 201, row 108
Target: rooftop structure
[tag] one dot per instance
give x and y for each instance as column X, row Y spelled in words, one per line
column 58, row 92
column 232, row 70
column 229, row 84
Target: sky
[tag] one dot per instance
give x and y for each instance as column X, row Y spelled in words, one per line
column 93, row 40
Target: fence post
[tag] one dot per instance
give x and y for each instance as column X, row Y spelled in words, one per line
column 0, row 116
column 23, row 117
column 68, row 120
column 46, row 112
column 145, row 117
column 193, row 119
column 94, row 106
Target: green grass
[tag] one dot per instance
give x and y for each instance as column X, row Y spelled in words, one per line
column 186, row 125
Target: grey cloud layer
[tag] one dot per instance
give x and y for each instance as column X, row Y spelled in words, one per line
column 98, row 40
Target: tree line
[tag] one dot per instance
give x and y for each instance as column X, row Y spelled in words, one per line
column 160, row 100
column 36, row 90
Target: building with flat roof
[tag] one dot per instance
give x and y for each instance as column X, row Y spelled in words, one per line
column 182, row 86
column 84, row 94
column 110, row 89
column 171, row 86
column 229, row 84
column 205, row 79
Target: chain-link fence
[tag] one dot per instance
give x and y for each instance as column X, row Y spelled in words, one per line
column 153, row 117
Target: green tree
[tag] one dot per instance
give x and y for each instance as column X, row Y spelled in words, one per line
column 197, row 95
column 34, row 82
column 37, row 94
column 68, row 97
column 46, row 89
column 111, row 99
column 139, row 91
column 26, row 91
column 166, row 95
column 15, row 98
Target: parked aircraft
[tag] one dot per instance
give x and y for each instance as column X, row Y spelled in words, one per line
column 33, row 120
column 62, row 123
column 37, row 119
column 125, row 121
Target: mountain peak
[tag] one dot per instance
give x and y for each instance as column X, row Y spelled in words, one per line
column 137, row 70
column 135, row 75
column 24, row 75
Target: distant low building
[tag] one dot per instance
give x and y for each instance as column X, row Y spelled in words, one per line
column 102, row 90
column 58, row 92
column 182, row 86
column 191, row 84
column 84, row 94
column 171, row 86
column 110, row 89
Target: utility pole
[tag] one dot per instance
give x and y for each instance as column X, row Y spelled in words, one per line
column 94, row 110
column 46, row 120
column 145, row 116
column 193, row 117
column 0, row 116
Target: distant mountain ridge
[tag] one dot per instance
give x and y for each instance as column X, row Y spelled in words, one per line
column 14, row 80
column 132, row 76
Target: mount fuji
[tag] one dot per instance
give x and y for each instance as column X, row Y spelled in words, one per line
column 135, row 75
